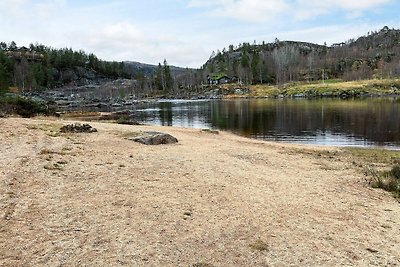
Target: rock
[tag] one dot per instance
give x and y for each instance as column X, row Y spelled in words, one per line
column 241, row 91
column 78, row 128
column 154, row 138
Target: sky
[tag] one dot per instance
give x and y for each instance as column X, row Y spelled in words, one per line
column 185, row 32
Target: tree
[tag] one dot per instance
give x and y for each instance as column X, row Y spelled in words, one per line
column 169, row 82
column 12, row 46
column 5, row 72
column 3, row 46
column 254, row 66
column 159, row 78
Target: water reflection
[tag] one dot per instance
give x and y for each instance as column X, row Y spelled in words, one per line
column 364, row 122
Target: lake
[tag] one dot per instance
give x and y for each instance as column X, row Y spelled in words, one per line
column 358, row 122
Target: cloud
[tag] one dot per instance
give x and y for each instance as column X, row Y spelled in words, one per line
column 126, row 40
column 261, row 10
column 337, row 33
column 307, row 9
column 48, row 7
column 243, row 10
column 184, row 35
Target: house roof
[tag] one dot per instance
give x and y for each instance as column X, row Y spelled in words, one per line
column 218, row 76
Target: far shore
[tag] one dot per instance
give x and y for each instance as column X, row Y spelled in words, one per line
column 213, row 199
column 71, row 98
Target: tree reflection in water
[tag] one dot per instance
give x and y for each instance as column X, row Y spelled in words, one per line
column 359, row 122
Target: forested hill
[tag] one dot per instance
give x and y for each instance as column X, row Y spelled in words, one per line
column 376, row 55
column 39, row 67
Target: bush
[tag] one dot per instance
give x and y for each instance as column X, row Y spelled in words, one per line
column 395, row 172
column 24, row 107
column 389, row 181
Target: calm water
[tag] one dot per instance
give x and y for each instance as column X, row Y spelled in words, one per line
column 363, row 122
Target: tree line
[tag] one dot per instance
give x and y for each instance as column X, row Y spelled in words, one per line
column 38, row 67
column 376, row 55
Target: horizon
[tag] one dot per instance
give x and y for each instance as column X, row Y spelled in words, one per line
column 186, row 32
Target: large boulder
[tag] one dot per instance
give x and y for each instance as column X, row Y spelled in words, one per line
column 154, row 138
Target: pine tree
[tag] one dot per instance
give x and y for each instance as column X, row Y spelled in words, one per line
column 159, row 78
column 168, row 80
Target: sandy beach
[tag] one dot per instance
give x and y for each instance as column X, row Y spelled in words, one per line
column 99, row 199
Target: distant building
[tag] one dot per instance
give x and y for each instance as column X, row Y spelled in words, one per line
column 338, row 44
column 219, row 78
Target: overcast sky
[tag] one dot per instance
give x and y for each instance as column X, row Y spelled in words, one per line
column 185, row 32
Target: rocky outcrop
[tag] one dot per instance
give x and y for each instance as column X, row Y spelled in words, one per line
column 154, row 138
column 78, row 128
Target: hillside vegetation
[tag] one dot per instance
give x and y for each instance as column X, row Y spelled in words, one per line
column 39, row 67
column 267, row 69
column 376, row 55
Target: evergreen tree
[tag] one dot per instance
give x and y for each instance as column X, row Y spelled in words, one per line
column 5, row 72
column 159, row 78
column 169, row 82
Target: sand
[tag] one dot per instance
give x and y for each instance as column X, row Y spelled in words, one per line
column 211, row 200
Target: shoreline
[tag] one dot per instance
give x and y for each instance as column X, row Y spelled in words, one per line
column 303, row 90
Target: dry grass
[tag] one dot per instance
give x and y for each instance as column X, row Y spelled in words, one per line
column 387, row 180
column 53, row 167
column 202, row 264
column 80, row 114
column 51, row 129
column 259, row 245
column 83, row 115
column 371, row 155
column 336, row 87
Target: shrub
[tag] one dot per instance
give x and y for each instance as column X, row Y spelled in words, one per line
column 395, row 172
column 22, row 106
column 389, row 181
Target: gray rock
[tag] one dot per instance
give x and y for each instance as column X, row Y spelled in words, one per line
column 154, row 138
column 78, row 128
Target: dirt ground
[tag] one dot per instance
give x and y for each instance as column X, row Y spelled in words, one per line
column 99, row 199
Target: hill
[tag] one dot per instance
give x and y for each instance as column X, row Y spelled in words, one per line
column 38, row 68
column 133, row 67
column 375, row 55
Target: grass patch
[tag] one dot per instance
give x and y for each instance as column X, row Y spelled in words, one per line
column 47, row 151
column 382, row 156
column 387, row 180
column 53, row 167
column 259, row 245
column 332, row 87
column 202, row 264
column 82, row 115
column 373, row 162
column 52, row 130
